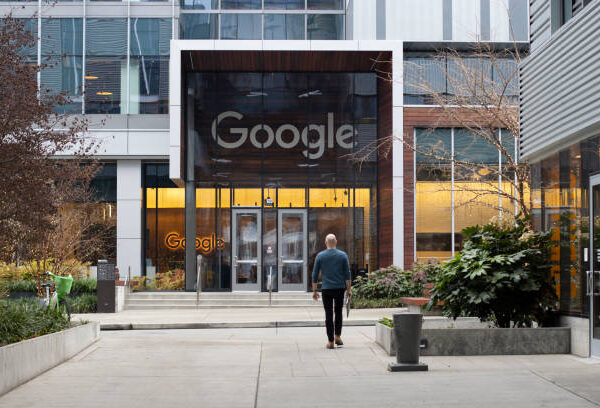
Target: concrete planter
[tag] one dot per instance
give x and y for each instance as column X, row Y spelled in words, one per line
column 484, row 341
column 20, row 362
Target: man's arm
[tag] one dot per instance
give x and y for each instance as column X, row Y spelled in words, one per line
column 315, row 277
column 348, row 277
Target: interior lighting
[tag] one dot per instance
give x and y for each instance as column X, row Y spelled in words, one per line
column 90, row 77
column 104, row 93
column 256, row 93
column 316, row 92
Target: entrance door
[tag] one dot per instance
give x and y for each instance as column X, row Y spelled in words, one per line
column 593, row 275
column 292, row 249
column 246, row 233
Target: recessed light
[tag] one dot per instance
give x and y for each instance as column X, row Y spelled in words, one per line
column 104, row 93
column 91, row 77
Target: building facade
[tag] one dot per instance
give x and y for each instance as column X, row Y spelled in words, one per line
column 560, row 129
column 237, row 125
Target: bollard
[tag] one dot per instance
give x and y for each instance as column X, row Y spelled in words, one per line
column 407, row 334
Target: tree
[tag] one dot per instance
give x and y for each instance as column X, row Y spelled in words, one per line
column 35, row 186
column 476, row 91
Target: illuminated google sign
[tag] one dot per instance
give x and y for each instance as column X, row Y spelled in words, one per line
column 206, row 245
column 287, row 136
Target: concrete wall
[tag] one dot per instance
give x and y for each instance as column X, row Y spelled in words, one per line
column 580, row 334
column 129, row 217
column 20, row 362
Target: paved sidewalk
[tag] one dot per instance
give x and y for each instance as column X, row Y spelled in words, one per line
column 228, row 317
column 290, row 367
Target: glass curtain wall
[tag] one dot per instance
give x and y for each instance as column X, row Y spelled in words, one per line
column 263, row 19
column 277, row 141
column 450, row 197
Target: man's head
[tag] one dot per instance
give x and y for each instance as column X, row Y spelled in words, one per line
column 330, row 241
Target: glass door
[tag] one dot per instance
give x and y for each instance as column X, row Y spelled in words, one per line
column 593, row 275
column 292, row 249
column 246, row 253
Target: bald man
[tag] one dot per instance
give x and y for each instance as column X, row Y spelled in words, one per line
column 335, row 271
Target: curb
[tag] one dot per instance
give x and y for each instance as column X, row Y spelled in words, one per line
column 228, row 325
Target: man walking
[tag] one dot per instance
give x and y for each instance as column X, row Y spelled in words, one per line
column 335, row 270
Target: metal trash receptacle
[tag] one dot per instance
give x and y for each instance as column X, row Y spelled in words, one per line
column 407, row 334
column 106, row 287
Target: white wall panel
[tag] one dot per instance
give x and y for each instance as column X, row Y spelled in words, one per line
column 465, row 20
column 129, row 216
column 411, row 20
column 364, row 20
column 499, row 20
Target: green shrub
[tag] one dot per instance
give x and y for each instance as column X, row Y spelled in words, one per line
column 28, row 286
column 84, row 286
column 386, row 322
column 26, row 318
column 85, row 303
column 361, row 303
column 387, row 283
column 502, row 275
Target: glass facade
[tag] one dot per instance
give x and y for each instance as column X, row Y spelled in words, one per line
column 560, row 200
column 451, row 196
column 424, row 74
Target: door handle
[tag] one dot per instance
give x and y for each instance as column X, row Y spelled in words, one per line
column 590, row 282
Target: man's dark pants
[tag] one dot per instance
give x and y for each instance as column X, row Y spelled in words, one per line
column 333, row 299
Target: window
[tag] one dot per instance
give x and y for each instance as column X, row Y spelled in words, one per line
column 284, row 4
column 106, row 64
column 325, row 4
column 62, row 51
column 284, row 27
column 199, row 4
column 149, row 65
column 325, row 27
column 199, row 26
column 241, row 4
column 570, row 8
column 241, row 26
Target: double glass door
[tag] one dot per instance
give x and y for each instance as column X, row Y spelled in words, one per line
column 292, row 250
column 593, row 275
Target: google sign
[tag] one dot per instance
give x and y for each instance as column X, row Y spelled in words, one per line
column 287, row 136
column 206, row 245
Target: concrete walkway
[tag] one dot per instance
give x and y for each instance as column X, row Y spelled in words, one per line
column 228, row 318
column 290, row 368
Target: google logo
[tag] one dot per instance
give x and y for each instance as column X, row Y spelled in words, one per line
column 206, row 245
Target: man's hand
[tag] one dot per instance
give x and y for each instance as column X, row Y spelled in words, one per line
column 349, row 292
column 315, row 296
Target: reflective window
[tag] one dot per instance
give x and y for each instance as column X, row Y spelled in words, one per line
column 325, row 4
column 325, row 27
column 62, row 50
column 241, row 4
column 284, row 27
column 199, row 26
column 241, row 26
column 284, row 4
column 199, row 4
column 106, row 65
column 30, row 25
column 149, row 65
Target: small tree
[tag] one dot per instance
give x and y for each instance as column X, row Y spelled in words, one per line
column 34, row 184
column 479, row 95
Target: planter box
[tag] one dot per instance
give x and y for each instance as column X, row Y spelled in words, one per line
column 484, row 341
column 20, row 362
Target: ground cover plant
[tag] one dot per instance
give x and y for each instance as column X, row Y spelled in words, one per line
column 384, row 288
column 26, row 318
column 502, row 275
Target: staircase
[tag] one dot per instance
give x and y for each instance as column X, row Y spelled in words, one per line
column 212, row 300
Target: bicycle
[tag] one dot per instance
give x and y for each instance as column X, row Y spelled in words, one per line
column 62, row 287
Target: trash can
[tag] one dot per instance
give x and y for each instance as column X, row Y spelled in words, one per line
column 106, row 287
column 407, row 334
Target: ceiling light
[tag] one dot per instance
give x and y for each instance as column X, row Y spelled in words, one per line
column 256, row 93
column 316, row 92
column 104, row 93
column 91, row 77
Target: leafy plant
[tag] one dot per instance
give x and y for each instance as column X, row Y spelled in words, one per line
column 26, row 318
column 386, row 321
column 85, row 303
column 27, row 286
column 361, row 303
column 387, row 283
column 502, row 275
column 170, row 280
column 426, row 272
column 84, row 286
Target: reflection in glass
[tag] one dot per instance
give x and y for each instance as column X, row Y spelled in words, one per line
column 284, row 27
column 199, row 4
column 292, row 247
column 241, row 26
column 241, row 4
column 325, row 27
column 284, row 4
column 247, row 248
column 595, row 298
column 199, row 26
column 325, row 4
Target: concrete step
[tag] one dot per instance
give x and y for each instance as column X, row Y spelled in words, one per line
column 163, row 306
column 218, row 295
column 150, row 302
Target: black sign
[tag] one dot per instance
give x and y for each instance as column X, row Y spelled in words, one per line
column 106, row 271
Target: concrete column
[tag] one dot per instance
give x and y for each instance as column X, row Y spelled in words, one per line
column 190, row 197
column 398, row 158
column 129, row 217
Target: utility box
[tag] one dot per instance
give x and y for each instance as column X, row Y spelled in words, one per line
column 106, row 287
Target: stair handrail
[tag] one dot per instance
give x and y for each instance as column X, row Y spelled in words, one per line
column 198, row 283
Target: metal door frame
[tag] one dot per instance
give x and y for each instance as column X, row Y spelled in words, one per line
column 234, row 262
column 593, row 275
column 287, row 287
